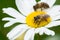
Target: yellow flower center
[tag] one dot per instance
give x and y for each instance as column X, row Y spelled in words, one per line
column 38, row 19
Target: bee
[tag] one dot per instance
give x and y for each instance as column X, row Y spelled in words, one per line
column 41, row 5
column 39, row 18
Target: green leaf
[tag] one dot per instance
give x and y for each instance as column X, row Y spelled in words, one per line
column 37, row 0
column 2, row 36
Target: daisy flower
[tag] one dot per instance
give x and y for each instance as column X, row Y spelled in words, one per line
column 36, row 17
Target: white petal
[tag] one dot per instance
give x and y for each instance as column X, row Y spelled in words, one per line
column 54, row 11
column 25, row 6
column 29, row 35
column 11, row 19
column 7, row 19
column 41, row 31
column 12, row 12
column 49, row 32
column 49, row 2
column 17, row 31
column 56, row 18
column 9, row 23
column 46, row 31
column 54, row 23
column 37, row 30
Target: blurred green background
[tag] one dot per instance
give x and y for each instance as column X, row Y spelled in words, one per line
column 4, row 31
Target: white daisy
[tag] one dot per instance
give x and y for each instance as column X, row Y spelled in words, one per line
column 37, row 21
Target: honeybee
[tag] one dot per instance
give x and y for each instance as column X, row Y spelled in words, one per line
column 41, row 5
column 39, row 18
